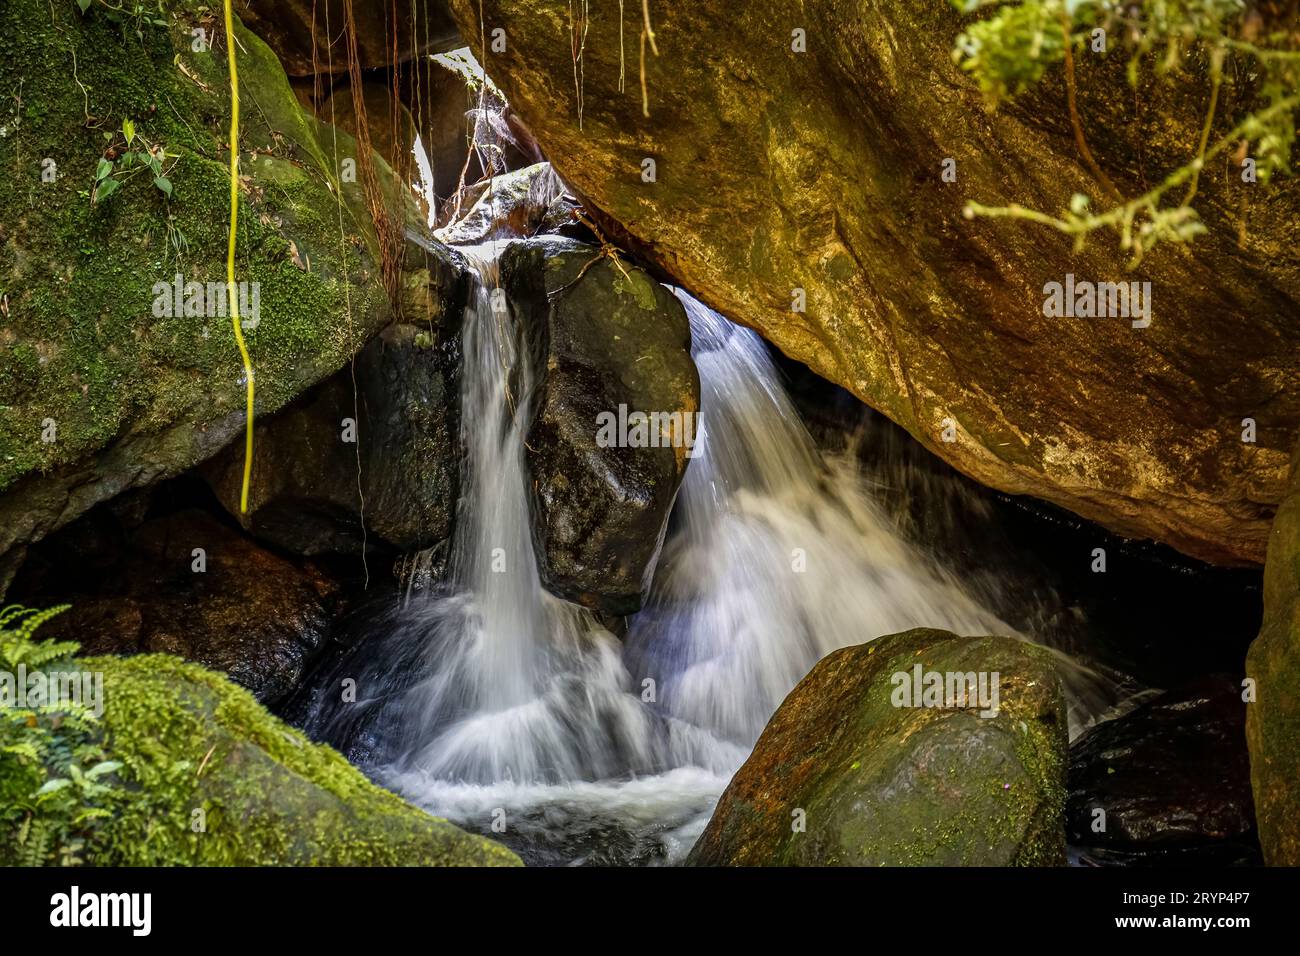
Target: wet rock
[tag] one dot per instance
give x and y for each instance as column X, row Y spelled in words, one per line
column 387, row 482
column 843, row 777
column 300, row 30
column 519, row 203
column 249, row 613
column 1171, row 775
column 616, row 346
column 820, row 170
column 1273, row 719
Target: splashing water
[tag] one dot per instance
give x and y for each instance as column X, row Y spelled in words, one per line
column 493, row 702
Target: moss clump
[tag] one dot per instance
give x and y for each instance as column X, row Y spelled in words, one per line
column 214, row 779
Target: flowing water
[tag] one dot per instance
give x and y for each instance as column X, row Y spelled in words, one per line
column 490, row 702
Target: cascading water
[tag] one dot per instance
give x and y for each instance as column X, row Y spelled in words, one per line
column 495, row 704
column 498, row 680
column 780, row 556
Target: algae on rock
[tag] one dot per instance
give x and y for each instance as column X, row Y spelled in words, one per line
column 97, row 393
column 216, row 780
column 844, row 776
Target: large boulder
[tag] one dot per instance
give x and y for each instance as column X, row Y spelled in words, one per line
column 849, row 773
column 778, row 170
column 615, row 345
column 1273, row 664
column 236, row 608
column 98, row 394
column 215, row 780
column 1169, row 777
column 302, row 31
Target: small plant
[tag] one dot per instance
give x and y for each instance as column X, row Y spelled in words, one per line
column 125, row 157
column 133, row 17
column 56, row 783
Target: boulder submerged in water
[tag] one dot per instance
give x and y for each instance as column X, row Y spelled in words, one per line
column 851, row 772
column 614, row 421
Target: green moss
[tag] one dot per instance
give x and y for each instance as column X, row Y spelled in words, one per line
column 197, row 749
column 81, row 345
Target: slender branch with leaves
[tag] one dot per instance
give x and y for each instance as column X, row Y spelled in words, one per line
column 1015, row 42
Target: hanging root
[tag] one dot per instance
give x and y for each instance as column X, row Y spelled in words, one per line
column 607, row 251
column 647, row 36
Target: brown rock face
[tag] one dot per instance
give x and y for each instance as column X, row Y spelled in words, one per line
column 235, row 607
column 776, row 171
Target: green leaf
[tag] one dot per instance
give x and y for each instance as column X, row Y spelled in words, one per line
column 106, row 189
column 84, row 5
column 163, row 183
column 154, row 163
column 50, row 786
column 103, row 767
column 103, row 169
column 128, row 130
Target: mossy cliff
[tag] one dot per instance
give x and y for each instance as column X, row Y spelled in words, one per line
column 212, row 779
column 134, row 397
column 1273, row 664
column 845, row 775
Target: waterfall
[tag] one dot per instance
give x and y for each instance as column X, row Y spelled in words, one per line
column 780, row 555
column 488, row 701
column 489, row 678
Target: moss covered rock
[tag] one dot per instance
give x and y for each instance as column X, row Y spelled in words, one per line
column 844, row 776
column 215, row 780
column 1273, row 718
column 821, row 171
column 98, row 393
column 614, row 420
